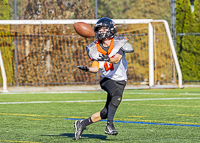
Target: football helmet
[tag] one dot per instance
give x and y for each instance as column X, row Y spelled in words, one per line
column 110, row 26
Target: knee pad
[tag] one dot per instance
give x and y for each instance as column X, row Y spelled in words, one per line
column 115, row 101
column 103, row 113
column 116, row 97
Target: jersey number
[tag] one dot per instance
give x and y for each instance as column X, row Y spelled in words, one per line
column 111, row 67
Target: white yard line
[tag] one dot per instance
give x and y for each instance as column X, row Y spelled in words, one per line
column 189, row 93
column 142, row 93
column 53, row 92
column 187, row 98
column 73, row 101
column 62, row 92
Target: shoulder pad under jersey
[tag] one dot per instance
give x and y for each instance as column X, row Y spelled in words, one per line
column 122, row 42
column 92, row 50
column 127, row 48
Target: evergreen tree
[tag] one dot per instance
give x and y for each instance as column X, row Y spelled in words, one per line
column 187, row 55
column 197, row 38
column 4, row 13
column 180, row 17
column 6, row 45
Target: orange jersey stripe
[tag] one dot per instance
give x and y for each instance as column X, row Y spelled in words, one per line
column 111, row 46
column 99, row 49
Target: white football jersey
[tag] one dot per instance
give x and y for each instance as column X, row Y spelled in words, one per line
column 114, row 71
column 110, row 70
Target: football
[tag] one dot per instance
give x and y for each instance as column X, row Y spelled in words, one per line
column 84, row 29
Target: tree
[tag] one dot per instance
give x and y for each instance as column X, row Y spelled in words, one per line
column 180, row 17
column 11, row 8
column 4, row 13
column 6, row 43
column 197, row 38
column 187, row 54
column 82, row 10
column 56, row 9
column 133, row 9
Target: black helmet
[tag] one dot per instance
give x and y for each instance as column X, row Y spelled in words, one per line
column 109, row 24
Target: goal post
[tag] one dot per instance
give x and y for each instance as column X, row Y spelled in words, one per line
column 3, row 74
column 175, row 58
column 48, row 51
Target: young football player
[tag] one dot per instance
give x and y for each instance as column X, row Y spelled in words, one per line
column 108, row 56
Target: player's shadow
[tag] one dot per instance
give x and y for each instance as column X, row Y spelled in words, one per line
column 88, row 136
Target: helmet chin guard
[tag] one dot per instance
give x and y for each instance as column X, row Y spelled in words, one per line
column 110, row 26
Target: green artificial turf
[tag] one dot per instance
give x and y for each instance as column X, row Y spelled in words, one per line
column 172, row 119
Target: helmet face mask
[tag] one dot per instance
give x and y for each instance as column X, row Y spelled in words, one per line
column 109, row 30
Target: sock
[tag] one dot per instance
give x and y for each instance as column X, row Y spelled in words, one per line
column 86, row 122
column 111, row 114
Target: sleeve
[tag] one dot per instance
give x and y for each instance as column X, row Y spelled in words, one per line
column 121, row 52
column 95, row 63
column 89, row 55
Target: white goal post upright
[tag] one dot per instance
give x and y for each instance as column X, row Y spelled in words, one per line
column 117, row 21
column 151, row 57
column 3, row 74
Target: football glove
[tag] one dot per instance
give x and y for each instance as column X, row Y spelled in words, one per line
column 104, row 58
column 84, row 68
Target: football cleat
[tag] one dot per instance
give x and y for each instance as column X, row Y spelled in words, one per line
column 79, row 129
column 110, row 130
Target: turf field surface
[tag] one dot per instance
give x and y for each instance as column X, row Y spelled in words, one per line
column 170, row 115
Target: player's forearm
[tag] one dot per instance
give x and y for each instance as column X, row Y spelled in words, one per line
column 93, row 69
column 115, row 59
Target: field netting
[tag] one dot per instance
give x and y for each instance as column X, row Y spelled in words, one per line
column 49, row 55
